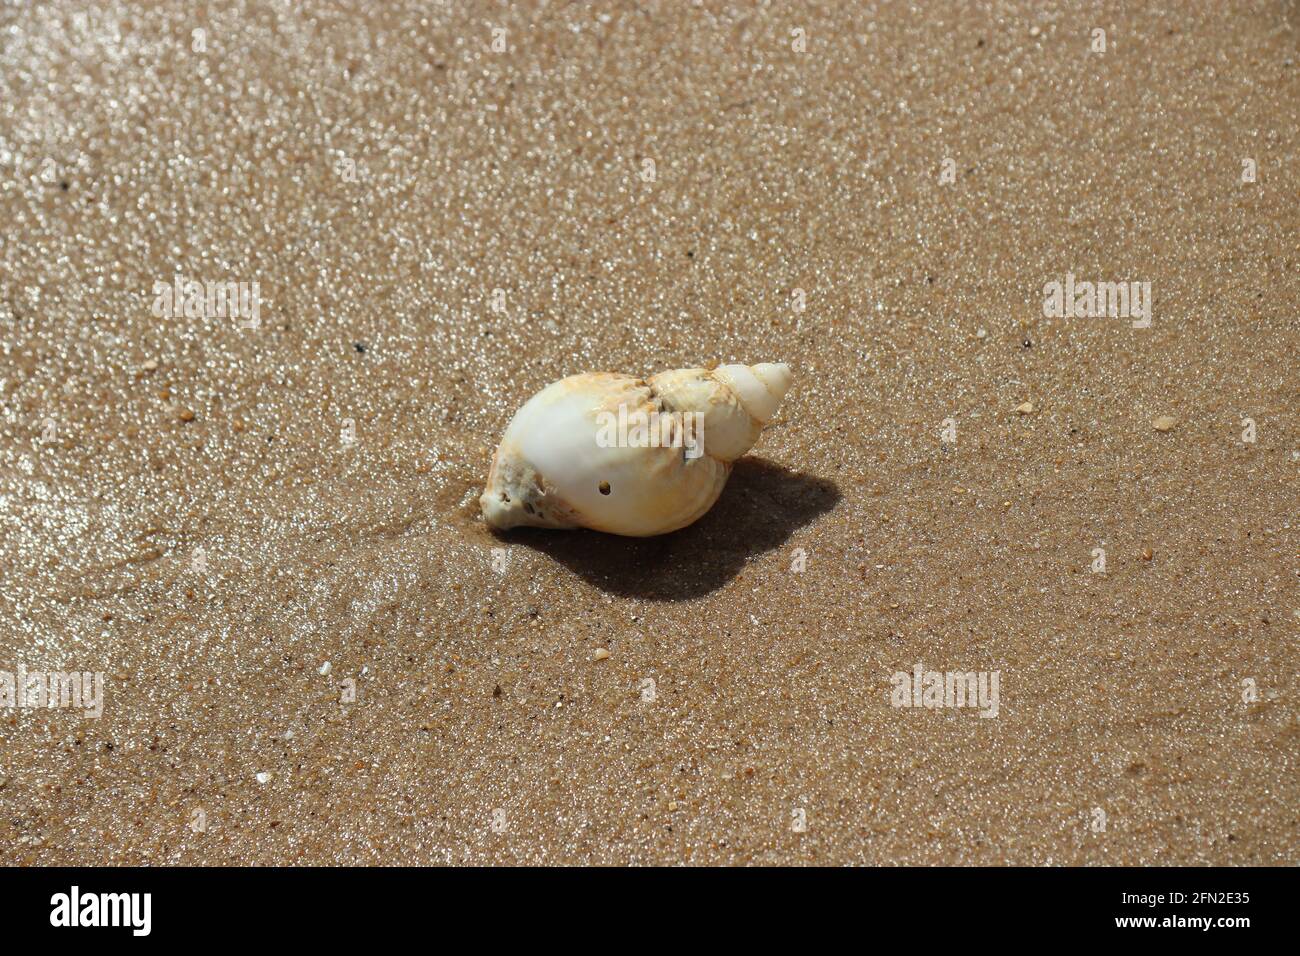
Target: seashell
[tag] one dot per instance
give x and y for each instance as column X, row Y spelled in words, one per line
column 625, row 455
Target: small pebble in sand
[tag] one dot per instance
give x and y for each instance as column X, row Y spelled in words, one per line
column 1147, row 554
column 601, row 654
column 263, row 777
column 1035, row 31
column 1025, row 409
column 982, row 334
column 326, row 668
column 186, row 415
column 1164, row 423
column 150, row 365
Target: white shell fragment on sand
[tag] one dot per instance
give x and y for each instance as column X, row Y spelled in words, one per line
column 626, row 455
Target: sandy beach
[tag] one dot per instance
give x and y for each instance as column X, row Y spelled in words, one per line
column 260, row 525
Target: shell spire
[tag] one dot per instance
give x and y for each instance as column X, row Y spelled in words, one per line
column 626, row 455
column 760, row 388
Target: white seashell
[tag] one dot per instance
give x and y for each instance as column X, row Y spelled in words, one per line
column 560, row 463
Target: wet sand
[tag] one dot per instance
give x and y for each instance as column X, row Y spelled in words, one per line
column 181, row 509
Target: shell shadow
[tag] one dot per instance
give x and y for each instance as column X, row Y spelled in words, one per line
column 761, row 506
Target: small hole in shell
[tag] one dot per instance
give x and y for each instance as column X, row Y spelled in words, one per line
column 604, row 487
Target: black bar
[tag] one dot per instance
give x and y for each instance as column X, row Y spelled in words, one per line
column 332, row 906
